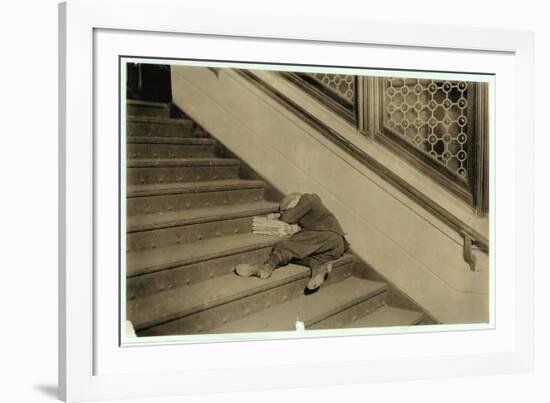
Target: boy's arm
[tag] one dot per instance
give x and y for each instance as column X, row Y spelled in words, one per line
column 293, row 215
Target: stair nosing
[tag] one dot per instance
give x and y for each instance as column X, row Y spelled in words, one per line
column 259, row 209
column 151, row 104
column 195, row 187
column 176, row 140
column 159, row 120
column 180, row 162
column 140, row 119
column 418, row 319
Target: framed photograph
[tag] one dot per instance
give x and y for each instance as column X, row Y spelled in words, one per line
column 245, row 208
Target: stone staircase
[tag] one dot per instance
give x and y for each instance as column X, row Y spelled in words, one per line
column 189, row 213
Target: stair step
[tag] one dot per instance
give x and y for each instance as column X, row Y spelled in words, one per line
column 158, row 150
column 192, row 187
column 183, row 301
column 141, row 102
column 388, row 316
column 215, row 261
column 159, row 127
column 145, row 222
column 209, row 304
column 170, row 140
column 181, row 162
column 145, row 108
column 158, row 171
column 161, row 259
column 150, row 199
column 310, row 309
column 220, row 261
column 184, row 234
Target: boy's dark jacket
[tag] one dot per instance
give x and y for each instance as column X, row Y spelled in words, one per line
column 311, row 214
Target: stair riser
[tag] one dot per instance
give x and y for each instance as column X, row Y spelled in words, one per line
column 155, row 129
column 351, row 314
column 184, row 201
column 181, row 235
column 202, row 322
column 136, row 110
column 147, row 284
column 158, row 175
column 169, row 150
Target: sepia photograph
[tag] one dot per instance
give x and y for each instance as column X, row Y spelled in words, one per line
column 269, row 199
column 254, row 201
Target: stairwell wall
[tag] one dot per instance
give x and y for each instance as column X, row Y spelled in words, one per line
column 412, row 249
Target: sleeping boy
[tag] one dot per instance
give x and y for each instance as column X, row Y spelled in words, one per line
column 319, row 242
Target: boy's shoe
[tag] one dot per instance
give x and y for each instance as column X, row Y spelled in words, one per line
column 262, row 271
column 318, row 275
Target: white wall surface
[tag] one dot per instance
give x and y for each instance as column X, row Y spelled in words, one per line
column 28, row 296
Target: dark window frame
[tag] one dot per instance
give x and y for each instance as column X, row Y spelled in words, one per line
column 474, row 189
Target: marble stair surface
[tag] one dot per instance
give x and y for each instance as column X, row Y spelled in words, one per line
column 189, row 223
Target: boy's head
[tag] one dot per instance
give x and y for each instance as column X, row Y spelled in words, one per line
column 290, row 201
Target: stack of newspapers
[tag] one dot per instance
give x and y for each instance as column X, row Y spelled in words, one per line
column 273, row 227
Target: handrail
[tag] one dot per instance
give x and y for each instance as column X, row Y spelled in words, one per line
column 469, row 234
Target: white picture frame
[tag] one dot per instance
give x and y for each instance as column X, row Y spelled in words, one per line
column 91, row 364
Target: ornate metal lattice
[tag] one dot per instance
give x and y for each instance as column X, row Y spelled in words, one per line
column 341, row 84
column 432, row 116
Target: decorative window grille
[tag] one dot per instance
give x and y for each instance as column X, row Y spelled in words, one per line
column 341, row 84
column 439, row 126
column 337, row 91
column 430, row 115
